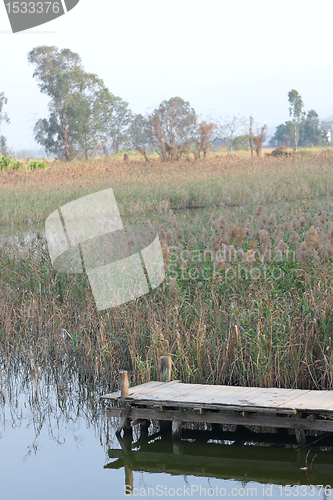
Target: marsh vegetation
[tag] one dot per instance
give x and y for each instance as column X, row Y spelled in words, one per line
column 248, row 295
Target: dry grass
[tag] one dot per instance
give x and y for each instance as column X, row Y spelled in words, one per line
column 141, row 187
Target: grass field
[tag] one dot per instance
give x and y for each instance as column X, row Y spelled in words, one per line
column 248, row 294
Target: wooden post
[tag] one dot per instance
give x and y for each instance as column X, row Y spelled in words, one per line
column 300, row 434
column 164, row 369
column 300, row 437
column 128, row 429
column 176, row 430
column 164, row 375
column 128, row 481
column 144, row 426
column 123, row 382
column 125, row 422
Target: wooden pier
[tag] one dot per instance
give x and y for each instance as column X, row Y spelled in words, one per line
column 302, row 412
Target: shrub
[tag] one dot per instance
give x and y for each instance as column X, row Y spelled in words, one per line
column 32, row 165
column 4, row 162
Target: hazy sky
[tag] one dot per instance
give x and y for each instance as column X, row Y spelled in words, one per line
column 224, row 57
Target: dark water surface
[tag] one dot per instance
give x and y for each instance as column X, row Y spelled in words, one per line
column 56, row 442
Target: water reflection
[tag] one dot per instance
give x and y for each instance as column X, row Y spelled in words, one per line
column 210, row 454
column 57, row 417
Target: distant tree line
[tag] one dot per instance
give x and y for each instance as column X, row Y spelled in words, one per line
column 86, row 119
column 302, row 130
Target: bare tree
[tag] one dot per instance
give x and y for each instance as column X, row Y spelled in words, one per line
column 259, row 139
column 226, row 130
column 206, row 135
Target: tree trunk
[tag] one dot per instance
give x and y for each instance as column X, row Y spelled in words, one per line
column 66, row 144
column 143, row 152
column 251, row 135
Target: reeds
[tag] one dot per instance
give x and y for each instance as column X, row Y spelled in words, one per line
column 247, row 299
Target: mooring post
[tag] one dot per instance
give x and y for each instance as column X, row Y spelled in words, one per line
column 164, row 375
column 164, row 369
column 128, row 481
column 123, row 382
column 125, row 422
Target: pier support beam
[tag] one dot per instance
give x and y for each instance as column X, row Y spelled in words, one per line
column 125, row 423
column 144, row 426
column 165, row 426
column 299, row 432
column 164, row 375
column 176, row 430
column 300, row 437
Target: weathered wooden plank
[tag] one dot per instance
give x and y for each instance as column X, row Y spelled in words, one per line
column 200, row 394
column 203, row 408
column 294, row 397
column 320, row 400
column 140, row 391
column 132, row 390
column 112, row 395
column 188, row 392
column 271, row 397
column 221, row 390
column 239, row 397
column 228, row 418
column 169, row 391
column 147, row 385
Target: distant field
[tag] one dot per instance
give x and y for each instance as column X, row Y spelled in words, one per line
column 248, row 295
column 140, row 187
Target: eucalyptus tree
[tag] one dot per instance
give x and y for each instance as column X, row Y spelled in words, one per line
column 138, row 135
column 118, row 119
column 295, row 111
column 83, row 114
column 58, row 73
column 171, row 128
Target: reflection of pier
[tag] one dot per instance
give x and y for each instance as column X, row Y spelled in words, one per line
column 193, row 455
column 239, row 414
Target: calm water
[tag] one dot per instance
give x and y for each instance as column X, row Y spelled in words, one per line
column 56, row 442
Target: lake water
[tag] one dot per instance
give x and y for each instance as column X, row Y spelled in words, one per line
column 56, row 442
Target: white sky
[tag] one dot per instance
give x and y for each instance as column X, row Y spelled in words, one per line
column 225, row 57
